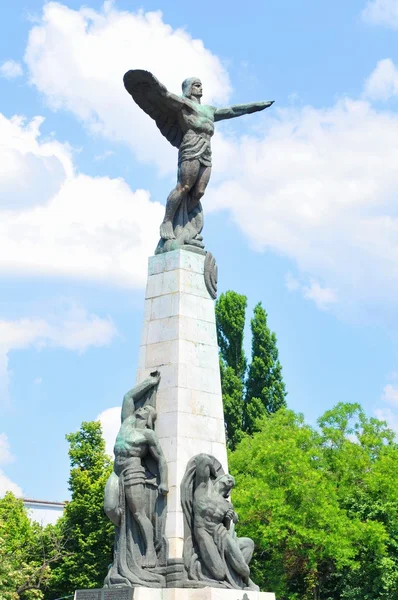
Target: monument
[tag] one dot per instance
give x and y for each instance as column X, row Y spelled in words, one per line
column 168, row 495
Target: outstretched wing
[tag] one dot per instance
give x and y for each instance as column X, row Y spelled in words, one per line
column 154, row 99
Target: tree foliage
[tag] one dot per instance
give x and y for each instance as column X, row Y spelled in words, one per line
column 87, row 532
column 265, row 388
column 27, row 552
column 230, row 318
column 321, row 505
column 248, row 392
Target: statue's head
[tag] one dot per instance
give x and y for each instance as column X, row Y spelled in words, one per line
column 148, row 414
column 192, row 87
column 224, row 484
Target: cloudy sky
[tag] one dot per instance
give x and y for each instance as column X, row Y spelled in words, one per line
column 301, row 212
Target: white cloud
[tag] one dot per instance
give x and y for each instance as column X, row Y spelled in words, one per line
column 77, row 59
column 381, row 12
column 391, row 417
column 73, row 329
column 11, row 69
column 110, row 422
column 31, row 170
column 383, row 81
column 104, row 155
column 79, row 226
column 6, row 485
column 5, row 451
column 320, row 186
column 323, row 297
column 292, row 284
column 390, row 394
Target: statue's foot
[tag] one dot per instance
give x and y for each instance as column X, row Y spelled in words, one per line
column 150, row 560
column 166, row 231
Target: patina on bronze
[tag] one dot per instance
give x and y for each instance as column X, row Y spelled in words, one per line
column 189, row 126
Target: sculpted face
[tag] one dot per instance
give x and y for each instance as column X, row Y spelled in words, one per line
column 196, row 88
column 146, row 415
column 192, row 88
column 224, row 485
column 142, row 413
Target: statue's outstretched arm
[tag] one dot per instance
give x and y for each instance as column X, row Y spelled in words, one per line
column 133, row 396
column 240, row 109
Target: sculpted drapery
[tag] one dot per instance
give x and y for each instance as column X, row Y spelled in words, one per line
column 213, row 554
column 135, row 494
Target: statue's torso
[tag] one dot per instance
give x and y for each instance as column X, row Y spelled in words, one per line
column 209, row 508
column 200, row 120
column 131, row 441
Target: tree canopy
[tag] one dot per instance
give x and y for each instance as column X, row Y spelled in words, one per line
column 27, row 552
column 321, row 505
column 87, row 532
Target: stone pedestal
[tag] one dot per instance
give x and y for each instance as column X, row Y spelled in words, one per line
column 199, row 594
column 141, row 593
column 179, row 339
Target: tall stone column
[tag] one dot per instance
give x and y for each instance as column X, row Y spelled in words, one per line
column 179, row 339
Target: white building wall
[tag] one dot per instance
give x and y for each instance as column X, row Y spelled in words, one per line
column 44, row 512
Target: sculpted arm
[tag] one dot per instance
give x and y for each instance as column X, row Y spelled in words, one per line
column 240, row 109
column 157, row 453
column 133, row 396
column 204, row 468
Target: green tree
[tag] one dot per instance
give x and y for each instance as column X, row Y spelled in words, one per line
column 230, row 318
column 265, row 388
column 360, row 453
column 27, row 552
column 321, row 505
column 87, row 532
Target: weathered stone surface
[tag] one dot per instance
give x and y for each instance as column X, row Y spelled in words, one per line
column 180, row 340
column 124, row 593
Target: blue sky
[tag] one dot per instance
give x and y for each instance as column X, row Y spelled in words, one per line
column 301, row 210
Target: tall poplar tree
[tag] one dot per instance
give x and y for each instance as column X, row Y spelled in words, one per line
column 248, row 394
column 230, row 315
column 265, row 388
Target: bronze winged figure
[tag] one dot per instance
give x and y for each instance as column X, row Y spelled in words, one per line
column 189, row 126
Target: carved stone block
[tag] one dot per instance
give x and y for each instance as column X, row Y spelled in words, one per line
column 122, row 593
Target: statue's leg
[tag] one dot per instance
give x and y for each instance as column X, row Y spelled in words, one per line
column 135, row 496
column 200, row 186
column 187, row 175
column 236, row 558
column 246, row 546
column 210, row 555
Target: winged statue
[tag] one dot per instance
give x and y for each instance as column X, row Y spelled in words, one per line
column 189, row 126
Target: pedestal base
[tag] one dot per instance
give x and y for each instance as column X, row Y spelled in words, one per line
column 141, row 593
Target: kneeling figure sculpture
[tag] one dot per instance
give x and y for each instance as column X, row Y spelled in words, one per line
column 213, row 554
